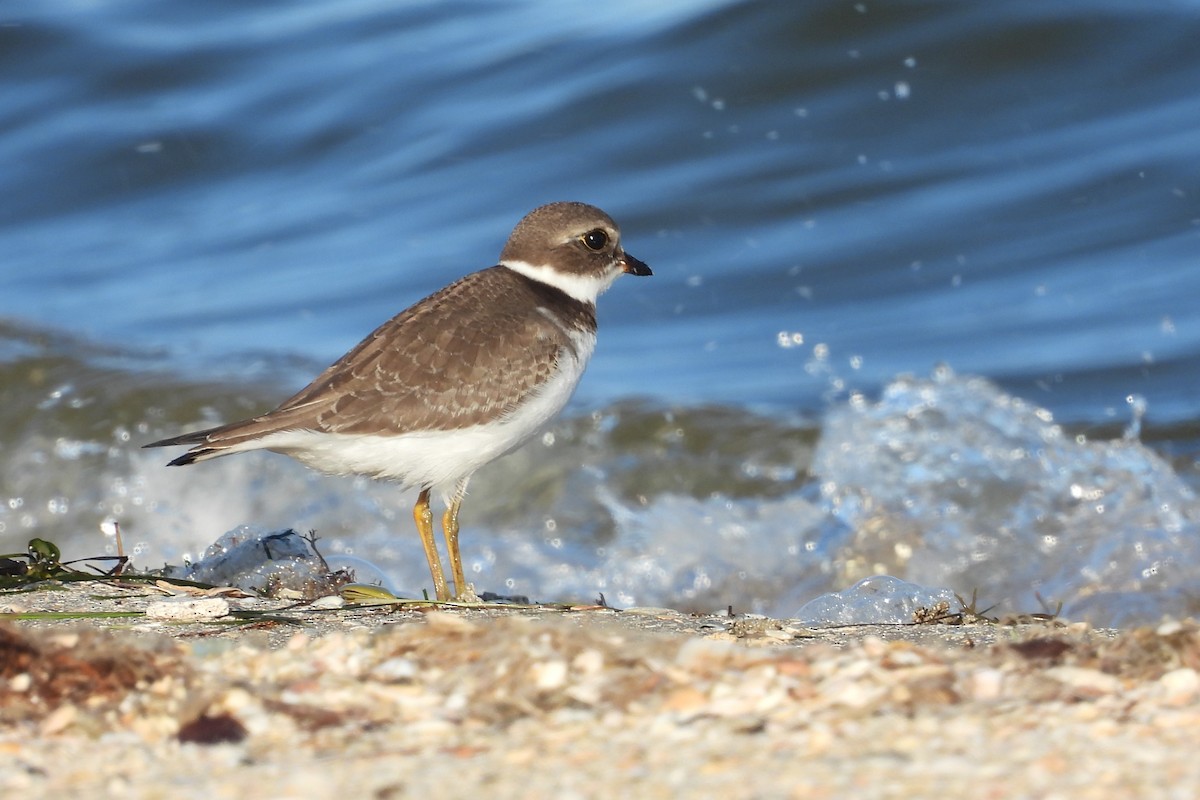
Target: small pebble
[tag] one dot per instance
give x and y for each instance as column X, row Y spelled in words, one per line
column 588, row 662
column 549, row 675
column 1091, row 682
column 652, row 611
column 697, row 654
column 395, row 670
column 188, row 608
column 987, row 684
column 446, row 622
column 1179, row 686
column 58, row 720
column 1171, row 626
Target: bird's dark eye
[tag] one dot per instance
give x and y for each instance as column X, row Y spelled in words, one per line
column 595, row 240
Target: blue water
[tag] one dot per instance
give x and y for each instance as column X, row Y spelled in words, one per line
column 204, row 205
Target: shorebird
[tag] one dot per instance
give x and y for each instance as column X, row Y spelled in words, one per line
column 455, row 381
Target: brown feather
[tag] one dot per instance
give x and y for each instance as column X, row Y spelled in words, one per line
column 430, row 369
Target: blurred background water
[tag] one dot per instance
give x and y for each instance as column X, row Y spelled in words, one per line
column 853, row 209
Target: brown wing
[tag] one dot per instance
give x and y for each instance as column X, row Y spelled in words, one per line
column 436, row 367
column 431, row 367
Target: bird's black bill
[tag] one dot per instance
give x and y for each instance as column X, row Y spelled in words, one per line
column 635, row 266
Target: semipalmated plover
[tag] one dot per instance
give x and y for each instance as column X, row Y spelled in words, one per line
column 459, row 379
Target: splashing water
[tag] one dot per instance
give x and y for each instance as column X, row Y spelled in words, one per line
column 878, row 600
column 952, row 482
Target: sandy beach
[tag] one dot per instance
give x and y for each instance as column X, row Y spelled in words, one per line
column 591, row 702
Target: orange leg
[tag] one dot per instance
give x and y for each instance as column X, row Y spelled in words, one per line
column 424, row 519
column 450, row 529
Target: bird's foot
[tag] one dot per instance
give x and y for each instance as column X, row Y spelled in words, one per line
column 467, row 594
